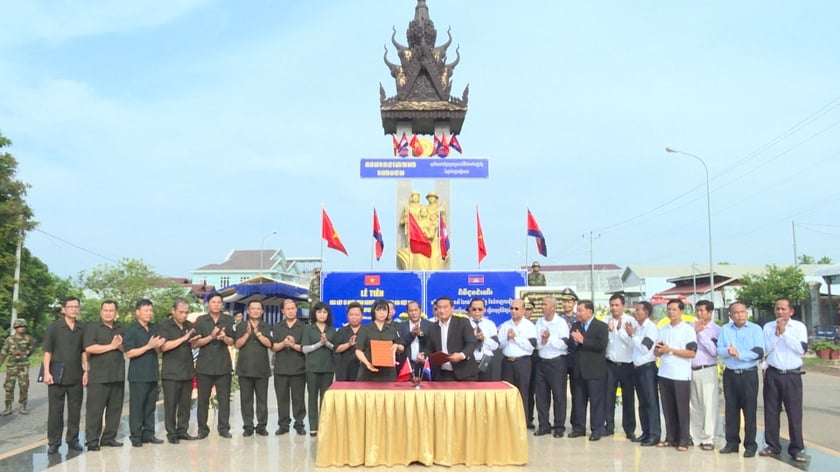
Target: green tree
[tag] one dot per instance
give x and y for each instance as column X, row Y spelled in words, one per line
column 825, row 260
column 762, row 291
column 125, row 283
column 806, row 259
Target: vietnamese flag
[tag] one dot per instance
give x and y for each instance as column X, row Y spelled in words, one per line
column 443, row 237
column 482, row 249
column 416, row 147
column 418, row 242
column 534, row 230
column 329, row 234
column 377, row 235
column 405, row 372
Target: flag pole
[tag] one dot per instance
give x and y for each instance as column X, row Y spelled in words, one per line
column 527, row 210
column 321, row 257
column 372, row 247
column 476, row 236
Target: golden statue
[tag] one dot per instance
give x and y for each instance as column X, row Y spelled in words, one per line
column 428, row 219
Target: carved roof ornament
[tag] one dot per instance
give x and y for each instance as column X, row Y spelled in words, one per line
column 423, row 78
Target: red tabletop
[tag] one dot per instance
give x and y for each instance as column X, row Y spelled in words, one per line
column 423, row 386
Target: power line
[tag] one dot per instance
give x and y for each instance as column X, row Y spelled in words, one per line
column 76, row 246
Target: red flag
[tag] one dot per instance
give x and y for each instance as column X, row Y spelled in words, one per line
column 441, row 148
column 416, row 147
column 396, row 143
column 482, row 249
column 443, row 237
column 418, row 242
column 329, row 234
column 377, row 235
column 534, row 230
column 454, row 144
column 405, row 372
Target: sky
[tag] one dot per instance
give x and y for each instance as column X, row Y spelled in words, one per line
column 175, row 131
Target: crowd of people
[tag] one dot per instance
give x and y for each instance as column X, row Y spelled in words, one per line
column 565, row 349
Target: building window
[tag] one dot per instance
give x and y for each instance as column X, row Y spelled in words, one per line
column 243, row 278
column 224, row 281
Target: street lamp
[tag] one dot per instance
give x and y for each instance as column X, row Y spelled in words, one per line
column 708, row 218
column 262, row 245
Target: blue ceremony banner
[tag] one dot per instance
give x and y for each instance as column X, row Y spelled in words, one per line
column 497, row 288
column 425, row 168
column 339, row 289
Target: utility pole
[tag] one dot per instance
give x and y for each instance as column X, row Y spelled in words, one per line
column 592, row 237
column 16, row 288
column 795, row 256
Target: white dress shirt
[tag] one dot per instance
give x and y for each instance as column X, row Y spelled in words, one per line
column 620, row 346
column 644, row 340
column 785, row 352
column 520, row 345
column 558, row 331
column 488, row 329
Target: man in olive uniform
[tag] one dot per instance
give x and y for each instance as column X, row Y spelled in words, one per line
column 177, row 371
column 289, row 373
column 315, row 287
column 65, row 374
column 16, row 351
column 535, row 277
column 213, row 365
column 253, row 339
column 141, row 344
column 103, row 343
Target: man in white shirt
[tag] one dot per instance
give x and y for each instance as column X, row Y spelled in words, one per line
column 518, row 338
column 676, row 346
column 785, row 340
column 552, row 348
column 620, row 369
column 645, row 334
column 487, row 339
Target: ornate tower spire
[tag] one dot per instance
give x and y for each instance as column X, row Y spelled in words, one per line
column 423, row 80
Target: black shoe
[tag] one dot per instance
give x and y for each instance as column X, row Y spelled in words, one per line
column 201, row 435
column 608, row 433
column 301, row 431
column 558, row 434
column 729, row 449
column 649, row 442
column 248, row 433
column 136, row 443
column 112, row 443
column 187, row 437
column 313, row 434
column 281, row 431
column 595, row 436
column 637, row 439
column 768, row 451
column 531, row 426
column 173, row 440
column 631, row 437
column 153, row 440
column 576, row 434
column 262, row 432
column 93, row 447
column 542, row 432
column 75, row 446
column 52, row 450
column 749, row 452
column 225, row 434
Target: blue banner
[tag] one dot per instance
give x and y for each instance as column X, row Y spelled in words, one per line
column 339, row 289
column 425, row 168
column 497, row 288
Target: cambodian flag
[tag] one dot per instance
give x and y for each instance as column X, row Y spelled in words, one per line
column 534, row 230
column 402, row 146
column 443, row 237
column 454, row 144
column 427, row 369
column 441, row 148
column 377, row 235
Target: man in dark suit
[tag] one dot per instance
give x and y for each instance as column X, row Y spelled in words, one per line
column 591, row 337
column 454, row 336
column 413, row 335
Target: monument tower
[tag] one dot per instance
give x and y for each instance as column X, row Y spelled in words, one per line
column 421, row 117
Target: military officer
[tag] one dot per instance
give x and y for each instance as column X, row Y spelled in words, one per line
column 315, row 286
column 103, row 343
column 535, row 277
column 16, row 351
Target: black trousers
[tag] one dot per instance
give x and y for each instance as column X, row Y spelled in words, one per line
column 645, row 380
column 518, row 373
column 177, row 396
column 532, row 394
column 290, row 389
column 56, row 395
column 142, row 397
column 593, row 392
column 572, row 381
column 621, row 375
column 675, row 398
column 550, row 385
column 317, row 384
column 253, row 390
column 783, row 389
column 104, row 398
column 740, row 392
column 205, row 384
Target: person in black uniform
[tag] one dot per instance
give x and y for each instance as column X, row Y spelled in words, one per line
column 141, row 344
column 346, row 363
column 213, row 366
column 318, row 346
column 103, row 343
column 253, row 339
column 379, row 330
column 289, row 370
column 64, row 355
column 177, row 371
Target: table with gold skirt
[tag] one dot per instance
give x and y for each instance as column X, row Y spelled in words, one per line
column 443, row 423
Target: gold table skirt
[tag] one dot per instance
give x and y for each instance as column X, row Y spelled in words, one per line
column 443, row 423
